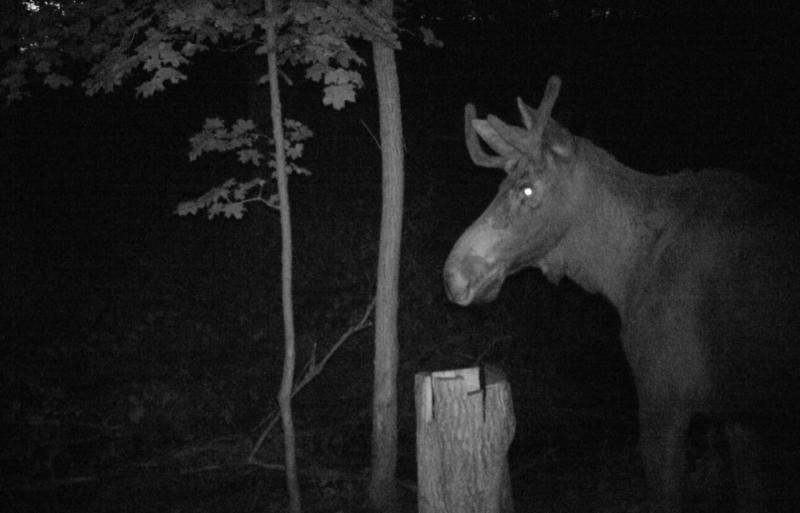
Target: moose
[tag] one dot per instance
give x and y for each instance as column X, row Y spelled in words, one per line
column 703, row 269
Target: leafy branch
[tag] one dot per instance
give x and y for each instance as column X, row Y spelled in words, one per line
column 161, row 37
column 230, row 198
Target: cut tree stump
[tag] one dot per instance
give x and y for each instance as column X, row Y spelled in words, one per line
column 463, row 435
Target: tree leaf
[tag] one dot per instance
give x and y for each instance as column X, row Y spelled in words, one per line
column 429, row 38
column 186, row 208
column 56, row 80
column 235, row 210
column 250, row 155
column 338, row 94
column 242, row 126
column 156, row 83
column 274, row 201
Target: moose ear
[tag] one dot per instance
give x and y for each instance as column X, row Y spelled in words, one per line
column 559, row 141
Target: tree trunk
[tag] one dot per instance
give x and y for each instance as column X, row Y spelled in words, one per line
column 287, row 380
column 463, row 436
column 382, row 486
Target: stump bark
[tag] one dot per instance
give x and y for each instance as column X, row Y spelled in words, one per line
column 464, row 430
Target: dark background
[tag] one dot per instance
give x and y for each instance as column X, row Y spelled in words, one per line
column 138, row 344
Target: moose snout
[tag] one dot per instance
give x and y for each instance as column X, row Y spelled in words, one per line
column 469, row 279
column 456, row 285
column 473, row 272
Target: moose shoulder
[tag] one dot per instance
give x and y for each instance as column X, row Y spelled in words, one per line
column 703, row 268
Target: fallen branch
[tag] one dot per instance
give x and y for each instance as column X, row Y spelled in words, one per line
column 312, row 369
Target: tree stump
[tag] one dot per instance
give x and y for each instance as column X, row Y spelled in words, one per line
column 463, row 435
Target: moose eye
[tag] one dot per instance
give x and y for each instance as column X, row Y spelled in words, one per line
column 525, row 191
column 526, row 194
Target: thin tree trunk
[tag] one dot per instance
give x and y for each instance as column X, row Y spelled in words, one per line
column 285, row 393
column 382, row 487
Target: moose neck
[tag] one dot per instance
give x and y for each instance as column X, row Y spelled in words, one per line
column 619, row 218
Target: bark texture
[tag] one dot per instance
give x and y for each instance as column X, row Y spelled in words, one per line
column 382, row 487
column 463, row 435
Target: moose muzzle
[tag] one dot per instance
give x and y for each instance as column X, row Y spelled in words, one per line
column 472, row 273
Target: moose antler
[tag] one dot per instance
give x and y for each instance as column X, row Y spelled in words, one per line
column 510, row 141
column 536, row 122
column 476, row 153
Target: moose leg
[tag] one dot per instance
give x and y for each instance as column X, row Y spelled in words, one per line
column 743, row 458
column 663, row 446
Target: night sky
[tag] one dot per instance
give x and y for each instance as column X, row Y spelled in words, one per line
column 131, row 332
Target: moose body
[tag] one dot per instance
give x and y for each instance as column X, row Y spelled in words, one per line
column 703, row 269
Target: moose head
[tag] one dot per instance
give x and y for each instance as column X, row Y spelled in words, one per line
column 533, row 209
